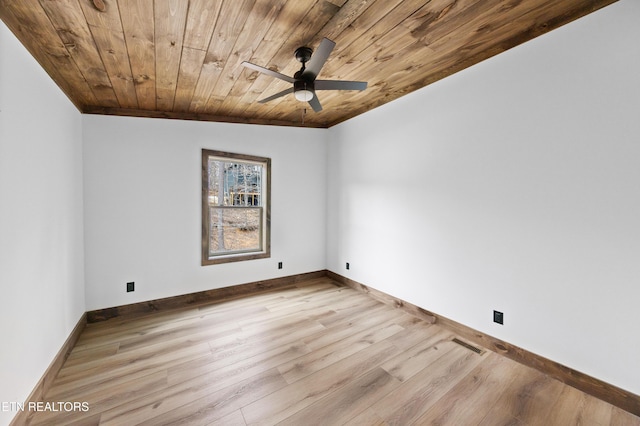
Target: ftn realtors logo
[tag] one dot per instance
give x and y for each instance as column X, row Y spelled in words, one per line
column 58, row 406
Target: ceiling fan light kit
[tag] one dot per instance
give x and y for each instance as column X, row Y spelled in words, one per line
column 304, row 81
column 303, row 91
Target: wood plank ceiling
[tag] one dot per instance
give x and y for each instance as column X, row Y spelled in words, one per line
column 182, row 58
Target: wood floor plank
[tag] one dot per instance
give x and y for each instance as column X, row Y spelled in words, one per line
column 414, row 333
column 102, row 351
column 348, row 401
column 367, row 417
column 473, row 395
column 233, row 419
column 414, row 359
column 221, row 403
column 85, row 381
column 86, row 421
column 247, row 345
column 593, row 411
column 518, row 392
column 123, row 363
column 187, row 386
column 317, row 360
column 347, row 326
column 235, row 368
column 347, row 309
column 532, row 400
column 267, row 357
column 284, row 403
column 119, row 331
column 417, row 394
column 311, row 353
column 620, row 417
column 566, row 408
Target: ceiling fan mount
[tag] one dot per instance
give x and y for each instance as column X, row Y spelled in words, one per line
column 303, row 54
column 304, row 83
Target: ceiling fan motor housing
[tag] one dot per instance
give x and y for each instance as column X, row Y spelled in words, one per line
column 303, row 89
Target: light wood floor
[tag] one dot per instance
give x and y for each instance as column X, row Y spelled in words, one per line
column 309, row 355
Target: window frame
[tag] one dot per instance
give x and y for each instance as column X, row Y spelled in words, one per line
column 265, row 251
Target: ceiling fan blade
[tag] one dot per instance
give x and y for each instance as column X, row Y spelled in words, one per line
column 315, row 103
column 340, row 85
column 267, row 71
column 277, row 95
column 319, row 57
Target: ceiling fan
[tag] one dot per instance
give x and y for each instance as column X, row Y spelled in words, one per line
column 304, row 81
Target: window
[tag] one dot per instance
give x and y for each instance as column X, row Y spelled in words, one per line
column 235, row 207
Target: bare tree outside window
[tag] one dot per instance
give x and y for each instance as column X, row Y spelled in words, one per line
column 235, row 207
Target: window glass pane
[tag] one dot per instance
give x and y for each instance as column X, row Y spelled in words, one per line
column 234, row 230
column 235, row 183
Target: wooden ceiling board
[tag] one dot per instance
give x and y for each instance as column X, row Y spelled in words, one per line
column 73, row 30
column 139, row 34
column 181, row 59
column 258, row 21
column 108, row 35
column 198, row 79
column 170, row 18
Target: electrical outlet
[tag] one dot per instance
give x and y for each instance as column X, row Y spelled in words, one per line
column 279, row 265
column 131, row 286
column 498, row 317
column 347, row 265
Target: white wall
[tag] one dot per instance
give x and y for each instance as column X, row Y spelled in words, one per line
column 142, row 205
column 41, row 246
column 513, row 185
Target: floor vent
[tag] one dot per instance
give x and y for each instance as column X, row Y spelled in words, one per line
column 468, row 346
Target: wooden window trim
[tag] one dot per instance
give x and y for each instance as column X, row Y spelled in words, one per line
column 266, row 218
